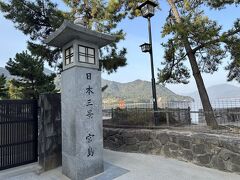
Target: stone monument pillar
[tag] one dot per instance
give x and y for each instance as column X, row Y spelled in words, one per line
column 81, row 99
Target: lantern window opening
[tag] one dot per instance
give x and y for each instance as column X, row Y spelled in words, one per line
column 146, row 47
column 147, row 8
column 69, row 55
column 86, row 54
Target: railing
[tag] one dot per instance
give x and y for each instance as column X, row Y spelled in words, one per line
column 176, row 115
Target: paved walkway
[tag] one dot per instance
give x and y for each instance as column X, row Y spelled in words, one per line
column 129, row 166
column 150, row 167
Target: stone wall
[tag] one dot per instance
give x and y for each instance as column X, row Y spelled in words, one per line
column 213, row 151
column 49, row 141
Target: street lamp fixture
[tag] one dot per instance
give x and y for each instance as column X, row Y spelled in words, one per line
column 147, row 8
column 146, row 47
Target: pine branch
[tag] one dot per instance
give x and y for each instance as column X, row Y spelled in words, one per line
column 217, row 40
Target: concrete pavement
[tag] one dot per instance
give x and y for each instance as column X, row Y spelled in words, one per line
column 151, row 167
column 128, row 166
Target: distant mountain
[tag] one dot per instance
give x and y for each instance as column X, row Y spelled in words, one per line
column 221, row 91
column 5, row 72
column 137, row 91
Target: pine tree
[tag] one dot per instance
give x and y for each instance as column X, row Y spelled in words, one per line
column 37, row 19
column 195, row 37
column 13, row 91
column 3, row 87
column 191, row 36
column 31, row 80
column 40, row 18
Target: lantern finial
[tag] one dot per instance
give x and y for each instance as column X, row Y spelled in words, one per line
column 79, row 20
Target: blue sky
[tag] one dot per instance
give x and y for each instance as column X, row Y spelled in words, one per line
column 13, row 41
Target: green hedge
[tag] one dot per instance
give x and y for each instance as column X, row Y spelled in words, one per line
column 137, row 117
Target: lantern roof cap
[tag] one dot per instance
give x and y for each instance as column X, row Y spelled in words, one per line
column 69, row 31
column 144, row 44
column 147, row 2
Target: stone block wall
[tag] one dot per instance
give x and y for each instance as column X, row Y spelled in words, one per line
column 213, row 151
column 49, row 139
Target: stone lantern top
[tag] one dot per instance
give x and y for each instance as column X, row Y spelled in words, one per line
column 69, row 31
column 79, row 21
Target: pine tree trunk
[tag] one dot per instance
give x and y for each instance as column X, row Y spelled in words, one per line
column 207, row 107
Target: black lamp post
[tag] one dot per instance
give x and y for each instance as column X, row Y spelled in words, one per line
column 147, row 10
